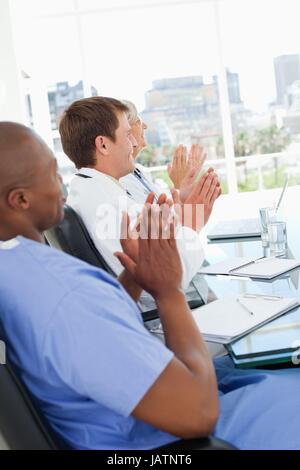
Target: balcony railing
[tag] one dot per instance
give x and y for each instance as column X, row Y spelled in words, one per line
column 258, row 167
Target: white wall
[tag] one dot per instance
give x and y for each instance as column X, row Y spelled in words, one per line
column 12, row 104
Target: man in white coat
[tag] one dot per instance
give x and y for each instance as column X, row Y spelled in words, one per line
column 97, row 137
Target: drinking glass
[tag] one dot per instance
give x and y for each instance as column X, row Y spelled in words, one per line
column 277, row 238
column 267, row 215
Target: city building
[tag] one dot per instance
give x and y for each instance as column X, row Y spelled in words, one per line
column 61, row 95
column 287, row 71
column 186, row 109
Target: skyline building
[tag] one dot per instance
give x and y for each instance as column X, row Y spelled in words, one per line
column 287, row 71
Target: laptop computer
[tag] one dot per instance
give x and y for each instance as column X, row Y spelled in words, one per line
column 241, row 228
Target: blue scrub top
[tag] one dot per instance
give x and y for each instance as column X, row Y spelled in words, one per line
column 80, row 345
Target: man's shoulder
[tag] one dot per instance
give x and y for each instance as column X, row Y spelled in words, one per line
column 86, row 194
column 61, row 267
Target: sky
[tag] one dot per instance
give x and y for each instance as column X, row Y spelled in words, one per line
column 124, row 51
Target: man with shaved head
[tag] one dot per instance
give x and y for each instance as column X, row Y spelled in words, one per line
column 77, row 337
column 31, row 198
column 78, row 342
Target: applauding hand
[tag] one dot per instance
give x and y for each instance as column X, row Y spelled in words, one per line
column 158, row 267
column 182, row 164
column 198, row 204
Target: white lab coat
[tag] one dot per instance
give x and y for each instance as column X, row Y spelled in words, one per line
column 100, row 201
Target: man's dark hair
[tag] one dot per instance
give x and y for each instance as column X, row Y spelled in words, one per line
column 83, row 121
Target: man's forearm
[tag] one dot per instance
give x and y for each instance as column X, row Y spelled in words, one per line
column 184, row 339
column 131, row 287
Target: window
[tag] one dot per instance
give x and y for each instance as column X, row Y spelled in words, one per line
column 160, row 59
column 261, row 42
column 171, row 58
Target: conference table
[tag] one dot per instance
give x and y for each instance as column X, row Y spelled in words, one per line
column 214, row 287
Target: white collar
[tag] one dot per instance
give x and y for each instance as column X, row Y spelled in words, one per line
column 9, row 244
column 93, row 173
column 90, row 172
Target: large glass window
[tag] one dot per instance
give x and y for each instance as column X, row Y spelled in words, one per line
column 163, row 57
column 261, row 41
column 48, row 50
column 166, row 57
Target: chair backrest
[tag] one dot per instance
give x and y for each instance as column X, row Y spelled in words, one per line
column 21, row 424
column 72, row 237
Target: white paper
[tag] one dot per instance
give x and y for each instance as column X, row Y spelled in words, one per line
column 267, row 268
column 225, row 319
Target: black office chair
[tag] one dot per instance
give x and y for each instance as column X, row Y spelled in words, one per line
column 21, row 424
column 72, row 237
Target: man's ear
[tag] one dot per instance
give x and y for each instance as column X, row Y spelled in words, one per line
column 102, row 144
column 18, row 199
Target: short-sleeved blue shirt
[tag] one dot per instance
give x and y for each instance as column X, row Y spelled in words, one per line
column 79, row 343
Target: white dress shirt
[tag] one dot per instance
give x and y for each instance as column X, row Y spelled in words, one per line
column 100, row 200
